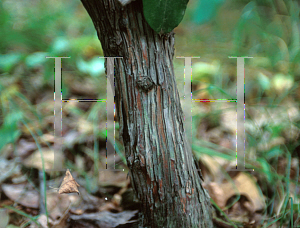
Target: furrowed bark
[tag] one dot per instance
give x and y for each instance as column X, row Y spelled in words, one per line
column 148, row 108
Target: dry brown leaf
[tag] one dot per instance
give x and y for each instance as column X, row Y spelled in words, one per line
column 116, row 200
column 18, row 193
column 57, row 204
column 87, row 202
column 62, row 222
column 244, row 185
column 9, row 168
column 35, row 160
column 216, row 193
column 109, row 207
column 212, row 168
column 102, row 219
column 43, row 221
column 48, row 138
column 113, row 178
column 238, row 213
column 69, row 185
column 24, row 148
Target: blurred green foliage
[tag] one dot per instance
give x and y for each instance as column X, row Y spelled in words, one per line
column 268, row 30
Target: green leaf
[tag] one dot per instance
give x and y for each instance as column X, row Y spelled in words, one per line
column 35, row 59
column 60, row 45
column 164, row 15
column 206, row 10
column 94, row 67
column 266, row 169
column 296, row 207
column 274, row 152
column 9, row 130
column 8, row 61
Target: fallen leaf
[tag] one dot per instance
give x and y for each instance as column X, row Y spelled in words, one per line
column 9, row 168
column 57, row 204
column 18, row 193
column 62, row 222
column 238, row 212
column 42, row 220
column 109, row 207
column 104, row 219
column 243, row 185
column 87, row 202
column 4, row 217
column 48, row 138
column 212, row 168
column 113, row 178
column 69, row 185
column 24, row 148
column 35, row 160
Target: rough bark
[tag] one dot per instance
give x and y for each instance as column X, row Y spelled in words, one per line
column 148, row 108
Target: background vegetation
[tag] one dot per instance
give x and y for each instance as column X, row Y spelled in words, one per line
column 268, row 30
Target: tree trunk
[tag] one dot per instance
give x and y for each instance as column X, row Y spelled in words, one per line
column 160, row 160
